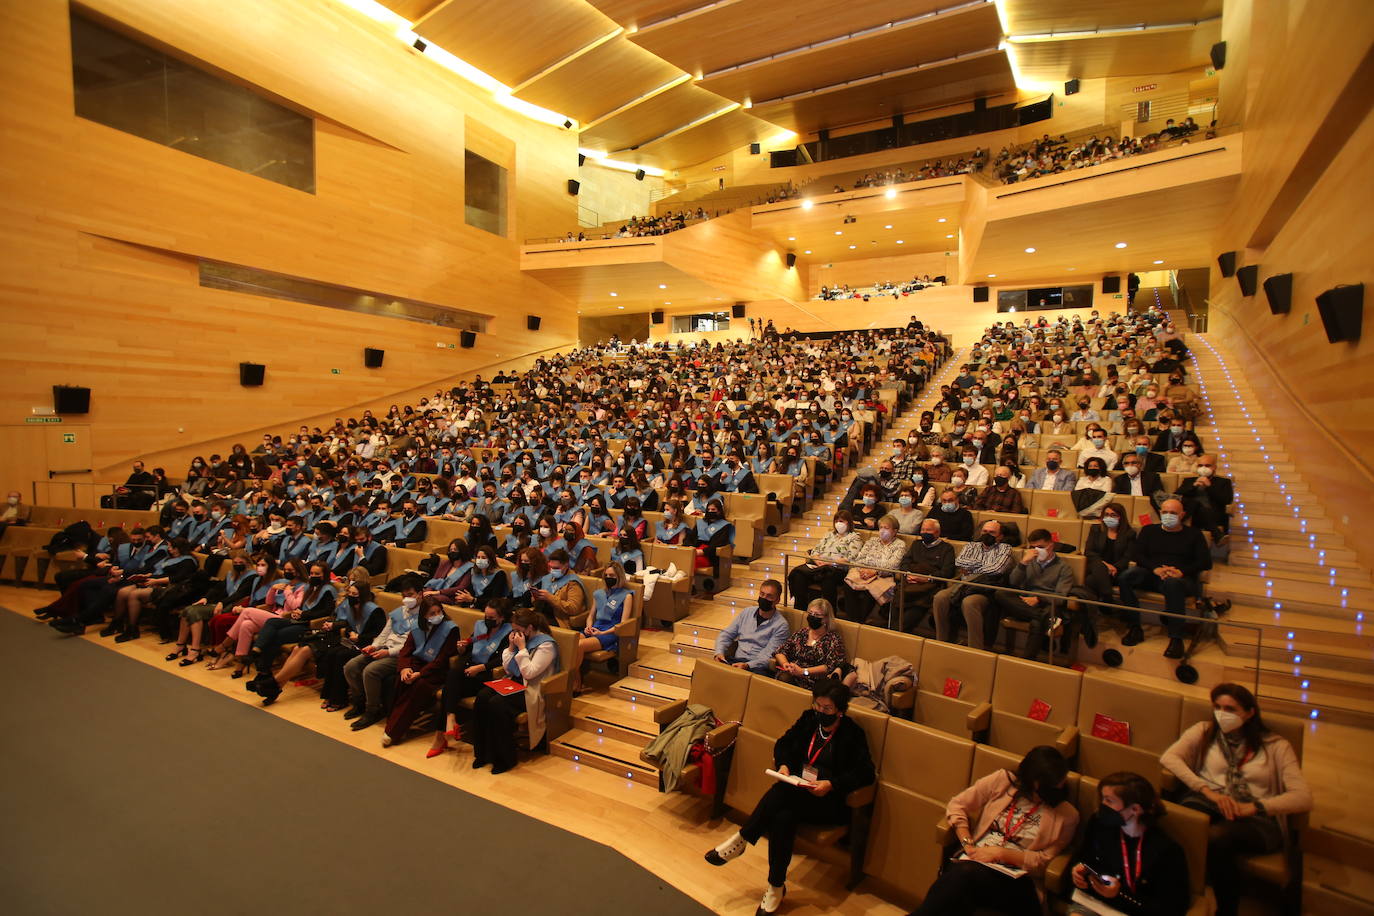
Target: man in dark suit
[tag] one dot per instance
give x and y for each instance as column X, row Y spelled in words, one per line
column 1154, row 462
column 1206, row 498
column 1136, row 482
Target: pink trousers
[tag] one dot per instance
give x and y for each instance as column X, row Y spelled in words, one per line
column 246, row 628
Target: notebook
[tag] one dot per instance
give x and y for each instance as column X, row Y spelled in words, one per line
column 505, row 686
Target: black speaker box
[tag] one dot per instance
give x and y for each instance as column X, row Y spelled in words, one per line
column 1218, row 54
column 251, row 374
column 419, row 45
column 1342, row 311
column 532, row 322
column 656, row 317
column 1248, row 278
column 639, row 175
column 467, row 339
column 1278, row 289
column 980, row 294
column 1111, row 284
column 791, row 259
column 1071, row 87
column 574, row 186
column 372, row 357
column 1227, row 262
column 737, row 311
column 581, row 160
column 755, row 149
column 70, row 399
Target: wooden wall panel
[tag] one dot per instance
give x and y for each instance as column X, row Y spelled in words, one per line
column 160, row 352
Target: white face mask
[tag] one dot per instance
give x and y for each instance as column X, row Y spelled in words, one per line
column 1227, row 721
column 13, row 500
column 885, row 534
column 434, row 618
column 1206, row 471
column 409, row 603
column 841, row 527
column 1188, row 449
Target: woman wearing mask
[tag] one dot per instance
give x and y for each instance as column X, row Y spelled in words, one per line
column 316, row 603
column 479, row 532
column 479, row 662
column 284, row 597
column 1246, row 778
column 958, row 484
column 867, row 509
column 632, row 519
column 234, row 589
column 813, row 653
column 1018, row 821
column 671, row 529
column 486, row 583
column 713, row 532
column 452, row 574
column 357, row 621
column 627, row 552
column 1124, row 861
column 612, row 606
column 828, row 753
column 531, row 658
column 531, row 566
column 869, row 583
column 1185, row 462
column 1108, row 551
column 221, row 621
column 827, row 562
column 516, row 541
column 546, row 533
column 581, row 551
column 598, row 519
column 909, row 511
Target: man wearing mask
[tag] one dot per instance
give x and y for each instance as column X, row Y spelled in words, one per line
column 364, row 552
column 928, row 555
column 138, row 492
column 1042, row 571
column 1151, row 462
column 1206, row 497
column 560, row 595
column 1053, row 476
column 1136, row 482
column 956, row 522
column 293, row 545
column 1166, row 558
column 369, row 672
column 411, row 528
column 1097, row 448
column 751, row 639
column 986, row 561
column 1001, row 496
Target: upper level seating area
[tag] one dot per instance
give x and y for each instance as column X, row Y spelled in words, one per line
column 1050, row 156
column 891, row 288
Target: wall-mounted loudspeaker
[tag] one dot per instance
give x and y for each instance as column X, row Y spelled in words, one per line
column 755, row 149
column 1111, row 284
column 1248, row 278
column 1227, row 262
column 1071, row 87
column 980, row 294
column 251, row 374
column 737, row 311
column 639, row 175
column 1278, row 289
column 70, row 399
column 1342, row 310
column 1218, row 54
column 532, row 322
column 581, row 160
column 574, row 186
column 656, row 317
column 372, row 357
column 467, row 339
column 420, row 45
column 791, row 259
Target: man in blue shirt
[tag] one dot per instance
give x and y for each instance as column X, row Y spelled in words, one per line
column 752, row 639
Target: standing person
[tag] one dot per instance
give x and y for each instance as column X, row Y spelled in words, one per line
column 1243, row 776
column 1017, row 821
column 828, row 751
column 530, row 659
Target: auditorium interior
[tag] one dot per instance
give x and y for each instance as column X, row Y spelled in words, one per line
column 269, row 251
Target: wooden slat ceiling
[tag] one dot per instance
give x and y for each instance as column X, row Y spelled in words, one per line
column 633, row 14
column 913, row 231
column 748, row 31
column 1127, row 54
column 652, row 118
column 1036, row 17
column 946, row 36
column 600, row 81
column 719, row 135
column 961, row 81
column 636, row 287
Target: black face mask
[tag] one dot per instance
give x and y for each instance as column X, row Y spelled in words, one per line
column 814, row 621
column 454, row 556
column 317, row 580
column 765, row 604
column 987, row 540
column 928, row 538
column 827, row 719
column 611, row 583
column 1110, row 817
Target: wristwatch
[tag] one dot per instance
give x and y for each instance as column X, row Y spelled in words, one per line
column 1259, row 808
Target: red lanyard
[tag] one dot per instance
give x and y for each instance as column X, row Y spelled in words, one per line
column 811, row 758
column 1010, row 831
column 1131, row 880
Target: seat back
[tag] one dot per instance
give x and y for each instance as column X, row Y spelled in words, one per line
column 1018, row 685
column 875, row 726
column 773, row 706
column 1152, row 717
column 466, row 618
column 875, row 643
column 724, row 688
column 925, row 760
column 849, row 634
column 941, row 661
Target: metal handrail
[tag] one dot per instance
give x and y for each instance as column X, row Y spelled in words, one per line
column 788, row 556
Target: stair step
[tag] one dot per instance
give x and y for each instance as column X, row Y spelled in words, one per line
column 630, row 723
column 666, row 668
column 650, row 693
column 603, row 753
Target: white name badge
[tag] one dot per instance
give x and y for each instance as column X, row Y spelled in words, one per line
column 809, row 774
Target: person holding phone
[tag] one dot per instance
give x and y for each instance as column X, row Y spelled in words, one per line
column 1126, row 862
column 828, row 750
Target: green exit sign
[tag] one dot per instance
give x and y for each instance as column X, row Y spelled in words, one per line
column 335, row 371
column 42, row 419
column 69, row 438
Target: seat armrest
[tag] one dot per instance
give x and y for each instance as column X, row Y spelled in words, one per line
column 627, row 628
column 1168, row 782
column 980, row 717
column 862, row 796
column 1067, row 742
column 1057, row 872
column 557, row 683
column 665, row 714
column 904, row 699
column 722, row 736
column 944, row 833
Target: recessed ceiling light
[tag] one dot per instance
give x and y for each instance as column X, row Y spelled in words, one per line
column 891, row 193
column 1071, row 268
column 950, row 235
column 888, row 226
column 941, row 220
column 853, row 246
column 1030, row 251
column 1159, row 262
column 667, row 303
column 615, row 294
column 621, row 307
column 900, row 242
column 807, row 205
column 807, row 251
column 839, row 232
column 663, row 286
column 991, row 276
column 1120, row 244
column 791, row 238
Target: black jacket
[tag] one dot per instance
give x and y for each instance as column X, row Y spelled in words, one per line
column 845, row 761
column 1163, row 888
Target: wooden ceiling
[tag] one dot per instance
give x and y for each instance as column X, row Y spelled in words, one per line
column 636, row 288
column 799, row 65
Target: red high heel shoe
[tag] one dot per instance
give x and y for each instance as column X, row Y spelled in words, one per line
column 436, row 751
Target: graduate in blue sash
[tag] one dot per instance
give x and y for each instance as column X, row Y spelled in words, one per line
column 480, row 533
column 672, row 528
column 531, row 658
column 479, row 661
column 411, row 528
column 487, row 582
column 514, row 542
column 452, row 574
column 422, row 667
column 613, row 605
column 579, row 549
column 317, row 603
column 627, row 552
column 713, row 532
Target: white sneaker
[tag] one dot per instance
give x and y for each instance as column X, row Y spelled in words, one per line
column 732, row 848
column 386, row 740
column 772, row 899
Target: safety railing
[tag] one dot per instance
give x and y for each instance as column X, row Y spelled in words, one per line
column 1203, row 625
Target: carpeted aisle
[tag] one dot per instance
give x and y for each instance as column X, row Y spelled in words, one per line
column 126, row 791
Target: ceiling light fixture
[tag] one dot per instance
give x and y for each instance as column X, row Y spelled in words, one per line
column 890, row 193
column 888, row 226
column 1030, row 251
column 1120, row 244
column 663, row 286
column 942, row 220
column 807, row 204
column 853, row 247
column 615, row 294
column 992, row 276
column 900, row 242
column 839, row 232
column 1159, row 262
column 791, row 238
column 950, row 235
column 807, row 251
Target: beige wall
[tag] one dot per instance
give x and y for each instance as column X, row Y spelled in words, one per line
column 610, row 195
column 101, row 230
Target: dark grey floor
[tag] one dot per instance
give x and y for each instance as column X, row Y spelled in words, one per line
column 123, row 790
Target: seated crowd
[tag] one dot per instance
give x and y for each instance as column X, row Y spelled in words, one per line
column 1048, row 156
column 881, row 288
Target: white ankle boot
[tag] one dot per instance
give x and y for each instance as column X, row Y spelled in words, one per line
column 772, row 899
column 732, row 848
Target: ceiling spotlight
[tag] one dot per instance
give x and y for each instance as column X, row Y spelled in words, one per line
column 839, row 232
column 663, row 286
column 791, row 238
column 991, row 276
column 950, row 235
column 1120, row 244
column 667, row 303
column 621, row 307
column 888, row 226
column 853, row 247
column 1159, row 262
column 1030, row 251
column 615, row 294
column 890, row 193
column 807, row 251
column 900, row 242
column 807, row 204
column 941, row 220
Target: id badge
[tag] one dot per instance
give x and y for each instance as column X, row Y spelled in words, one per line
column 809, row 774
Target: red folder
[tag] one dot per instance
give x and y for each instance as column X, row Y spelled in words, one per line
column 1146, row 519
column 1052, row 513
column 952, row 688
column 1039, row 710
column 505, row 686
column 1105, row 727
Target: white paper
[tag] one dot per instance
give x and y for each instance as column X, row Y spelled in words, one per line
column 1008, row 870
column 788, row 778
column 1089, row 902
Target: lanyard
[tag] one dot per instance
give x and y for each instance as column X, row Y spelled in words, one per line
column 810, row 757
column 1131, row 880
column 1013, row 827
